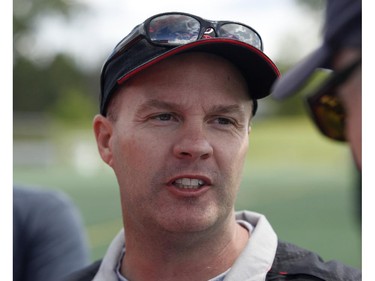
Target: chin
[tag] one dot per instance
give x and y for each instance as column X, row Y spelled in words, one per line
column 192, row 221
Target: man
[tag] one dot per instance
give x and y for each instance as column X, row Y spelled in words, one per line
column 335, row 106
column 177, row 98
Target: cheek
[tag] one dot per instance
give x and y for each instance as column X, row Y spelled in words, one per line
column 232, row 173
column 130, row 153
column 239, row 151
column 242, row 153
column 138, row 158
column 354, row 127
column 234, row 159
column 353, row 106
column 354, row 122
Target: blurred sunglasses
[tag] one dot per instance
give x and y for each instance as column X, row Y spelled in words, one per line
column 325, row 107
column 175, row 29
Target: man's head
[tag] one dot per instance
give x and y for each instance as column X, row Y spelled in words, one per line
column 175, row 128
column 335, row 105
column 177, row 146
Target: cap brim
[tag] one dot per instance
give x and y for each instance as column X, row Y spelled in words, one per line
column 295, row 78
column 258, row 70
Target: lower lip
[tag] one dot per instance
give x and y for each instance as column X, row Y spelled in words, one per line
column 187, row 192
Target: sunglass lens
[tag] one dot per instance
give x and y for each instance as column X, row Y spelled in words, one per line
column 241, row 33
column 330, row 117
column 173, row 29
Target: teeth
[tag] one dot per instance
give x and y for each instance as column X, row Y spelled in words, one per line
column 188, row 183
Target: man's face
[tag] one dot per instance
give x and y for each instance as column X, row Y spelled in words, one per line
column 178, row 143
column 350, row 94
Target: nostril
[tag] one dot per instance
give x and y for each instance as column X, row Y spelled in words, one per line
column 205, row 156
column 202, row 151
column 192, row 143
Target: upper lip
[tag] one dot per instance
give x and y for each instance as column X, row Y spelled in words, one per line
column 205, row 179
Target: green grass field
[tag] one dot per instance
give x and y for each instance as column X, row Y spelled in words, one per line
column 303, row 183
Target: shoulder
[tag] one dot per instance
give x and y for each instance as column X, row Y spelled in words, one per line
column 86, row 274
column 293, row 261
column 31, row 197
column 30, row 204
column 35, row 209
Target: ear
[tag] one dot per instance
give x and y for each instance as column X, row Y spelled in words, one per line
column 103, row 129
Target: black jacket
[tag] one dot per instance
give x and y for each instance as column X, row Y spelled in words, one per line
column 294, row 263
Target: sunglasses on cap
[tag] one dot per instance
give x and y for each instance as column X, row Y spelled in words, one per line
column 175, row 29
column 325, row 106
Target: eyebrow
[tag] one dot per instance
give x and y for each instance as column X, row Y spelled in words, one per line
column 234, row 108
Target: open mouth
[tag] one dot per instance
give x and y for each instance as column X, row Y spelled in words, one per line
column 188, row 183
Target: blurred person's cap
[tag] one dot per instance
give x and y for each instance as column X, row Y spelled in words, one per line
column 139, row 50
column 343, row 28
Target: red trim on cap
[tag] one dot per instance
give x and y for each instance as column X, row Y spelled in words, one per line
column 194, row 44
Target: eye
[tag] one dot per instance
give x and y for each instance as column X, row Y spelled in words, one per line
column 224, row 121
column 227, row 122
column 164, row 117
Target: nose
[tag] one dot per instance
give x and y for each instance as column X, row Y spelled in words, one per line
column 192, row 144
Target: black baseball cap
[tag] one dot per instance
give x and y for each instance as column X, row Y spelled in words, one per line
column 343, row 28
column 258, row 70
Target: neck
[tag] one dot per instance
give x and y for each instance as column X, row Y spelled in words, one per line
column 170, row 256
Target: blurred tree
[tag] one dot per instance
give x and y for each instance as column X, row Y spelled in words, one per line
column 27, row 14
column 295, row 104
column 41, row 88
column 312, row 6
column 48, row 85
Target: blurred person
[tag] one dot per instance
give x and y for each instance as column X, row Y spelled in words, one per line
column 48, row 237
column 178, row 95
column 336, row 104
